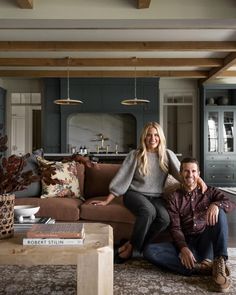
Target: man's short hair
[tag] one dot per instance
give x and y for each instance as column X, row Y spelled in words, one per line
column 188, row 160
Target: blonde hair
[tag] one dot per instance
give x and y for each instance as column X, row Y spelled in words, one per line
column 161, row 149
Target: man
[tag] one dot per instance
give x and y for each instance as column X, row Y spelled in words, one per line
column 199, row 230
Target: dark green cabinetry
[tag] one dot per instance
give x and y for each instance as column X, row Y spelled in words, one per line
column 98, row 96
column 219, row 134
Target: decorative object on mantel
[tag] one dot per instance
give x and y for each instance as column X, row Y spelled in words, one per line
column 68, row 100
column 135, row 100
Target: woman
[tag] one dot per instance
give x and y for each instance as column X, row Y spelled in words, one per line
column 140, row 180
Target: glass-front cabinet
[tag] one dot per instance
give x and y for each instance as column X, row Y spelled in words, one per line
column 219, row 145
column 220, row 131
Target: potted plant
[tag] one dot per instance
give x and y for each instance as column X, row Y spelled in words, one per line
column 12, row 178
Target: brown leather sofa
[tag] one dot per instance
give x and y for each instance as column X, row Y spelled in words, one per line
column 94, row 182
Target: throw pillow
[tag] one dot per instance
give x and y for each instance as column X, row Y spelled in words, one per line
column 34, row 189
column 67, row 174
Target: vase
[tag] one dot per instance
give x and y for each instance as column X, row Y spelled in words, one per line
column 7, row 216
column 223, row 100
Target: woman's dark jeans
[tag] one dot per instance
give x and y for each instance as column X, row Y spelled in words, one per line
column 151, row 217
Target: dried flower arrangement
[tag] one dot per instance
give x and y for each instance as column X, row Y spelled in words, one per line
column 12, row 176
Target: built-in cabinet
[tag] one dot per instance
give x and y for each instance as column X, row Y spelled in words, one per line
column 219, row 146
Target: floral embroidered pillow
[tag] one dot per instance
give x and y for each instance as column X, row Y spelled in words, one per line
column 67, row 174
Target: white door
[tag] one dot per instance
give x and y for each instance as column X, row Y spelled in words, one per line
column 17, row 132
column 178, row 121
column 21, row 129
column 179, row 129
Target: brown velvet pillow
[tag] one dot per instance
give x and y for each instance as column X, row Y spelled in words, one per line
column 98, row 178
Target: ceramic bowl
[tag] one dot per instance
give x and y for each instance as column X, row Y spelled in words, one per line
column 22, row 211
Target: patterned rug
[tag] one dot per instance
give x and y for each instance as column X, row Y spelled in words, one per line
column 133, row 278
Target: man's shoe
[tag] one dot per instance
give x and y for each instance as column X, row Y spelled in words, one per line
column 204, row 267
column 221, row 274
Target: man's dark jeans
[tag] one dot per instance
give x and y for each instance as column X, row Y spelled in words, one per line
column 211, row 243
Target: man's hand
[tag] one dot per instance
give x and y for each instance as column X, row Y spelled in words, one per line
column 212, row 214
column 187, row 258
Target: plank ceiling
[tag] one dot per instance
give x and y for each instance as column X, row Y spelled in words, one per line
column 140, row 41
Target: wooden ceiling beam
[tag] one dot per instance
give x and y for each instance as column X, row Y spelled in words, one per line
column 143, row 4
column 25, row 4
column 228, row 62
column 112, row 62
column 102, row 74
column 228, row 74
column 215, row 46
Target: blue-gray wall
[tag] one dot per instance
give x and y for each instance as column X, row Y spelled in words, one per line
column 99, row 95
column 2, row 109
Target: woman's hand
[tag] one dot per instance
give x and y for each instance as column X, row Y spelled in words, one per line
column 202, row 185
column 98, row 203
column 109, row 198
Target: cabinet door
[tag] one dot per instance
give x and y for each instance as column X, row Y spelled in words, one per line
column 220, row 131
column 213, row 132
column 228, row 131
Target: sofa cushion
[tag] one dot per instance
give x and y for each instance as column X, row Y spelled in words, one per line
column 98, row 178
column 113, row 212
column 60, row 209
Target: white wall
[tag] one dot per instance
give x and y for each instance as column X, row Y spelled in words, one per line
column 172, row 83
column 121, row 9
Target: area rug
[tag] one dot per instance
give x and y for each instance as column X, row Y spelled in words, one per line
column 133, row 278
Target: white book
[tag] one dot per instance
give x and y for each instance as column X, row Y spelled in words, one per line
column 51, row 242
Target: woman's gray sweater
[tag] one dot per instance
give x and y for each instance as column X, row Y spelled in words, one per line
column 128, row 176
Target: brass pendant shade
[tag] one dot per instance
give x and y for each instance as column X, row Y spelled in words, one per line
column 68, row 100
column 135, row 100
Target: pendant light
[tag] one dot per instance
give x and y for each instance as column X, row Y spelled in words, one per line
column 68, row 100
column 135, row 100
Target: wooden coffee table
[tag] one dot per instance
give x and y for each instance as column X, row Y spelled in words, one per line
column 94, row 259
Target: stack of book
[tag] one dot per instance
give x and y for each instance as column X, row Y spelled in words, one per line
column 27, row 223
column 58, row 234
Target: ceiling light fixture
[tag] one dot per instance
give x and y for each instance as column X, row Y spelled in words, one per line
column 68, row 100
column 135, row 100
